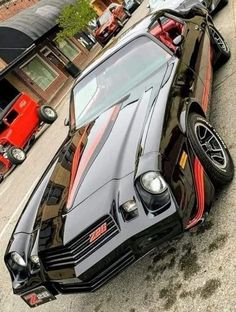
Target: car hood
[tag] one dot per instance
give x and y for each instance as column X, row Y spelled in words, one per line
column 95, row 166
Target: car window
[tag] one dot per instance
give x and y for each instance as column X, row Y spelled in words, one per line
column 116, row 77
column 155, row 3
column 104, row 18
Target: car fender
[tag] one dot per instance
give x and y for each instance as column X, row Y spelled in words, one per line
column 191, row 106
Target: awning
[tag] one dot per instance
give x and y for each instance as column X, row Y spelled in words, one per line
column 19, row 33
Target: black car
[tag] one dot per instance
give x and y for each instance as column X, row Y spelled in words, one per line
column 211, row 5
column 139, row 166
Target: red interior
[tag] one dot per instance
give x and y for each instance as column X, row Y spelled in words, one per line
column 167, row 32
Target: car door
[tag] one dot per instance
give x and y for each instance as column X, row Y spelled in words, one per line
column 197, row 55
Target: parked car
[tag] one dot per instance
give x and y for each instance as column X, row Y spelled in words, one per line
column 20, row 120
column 211, row 5
column 110, row 22
column 139, row 166
column 131, row 5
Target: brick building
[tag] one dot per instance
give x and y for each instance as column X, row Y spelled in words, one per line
column 31, row 60
column 9, row 8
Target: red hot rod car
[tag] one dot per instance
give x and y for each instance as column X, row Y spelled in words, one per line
column 20, row 120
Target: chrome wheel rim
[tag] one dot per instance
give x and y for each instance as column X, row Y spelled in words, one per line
column 18, row 154
column 49, row 112
column 219, row 40
column 211, row 145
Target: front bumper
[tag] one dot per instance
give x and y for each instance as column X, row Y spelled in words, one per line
column 108, row 260
column 121, row 257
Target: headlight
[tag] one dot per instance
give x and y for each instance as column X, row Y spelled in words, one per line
column 153, row 182
column 18, row 259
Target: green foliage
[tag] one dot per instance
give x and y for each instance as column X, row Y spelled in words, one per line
column 75, row 18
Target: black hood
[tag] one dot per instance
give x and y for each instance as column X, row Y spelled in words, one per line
column 91, row 166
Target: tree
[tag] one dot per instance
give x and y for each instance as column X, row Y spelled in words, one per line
column 75, row 18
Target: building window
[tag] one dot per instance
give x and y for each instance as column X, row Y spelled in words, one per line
column 68, row 49
column 39, row 72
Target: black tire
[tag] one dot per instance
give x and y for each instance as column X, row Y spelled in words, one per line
column 224, row 2
column 120, row 23
column 128, row 14
column 101, row 43
column 220, row 171
column 221, row 47
column 47, row 114
column 16, row 155
column 207, row 4
column 1, row 178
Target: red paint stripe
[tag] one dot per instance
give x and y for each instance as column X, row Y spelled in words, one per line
column 87, row 156
column 207, row 83
column 200, row 190
column 76, row 160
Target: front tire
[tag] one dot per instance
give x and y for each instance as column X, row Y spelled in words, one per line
column 128, row 14
column 207, row 4
column 16, row 155
column 120, row 24
column 47, row 114
column 221, row 47
column 211, row 150
column 224, row 2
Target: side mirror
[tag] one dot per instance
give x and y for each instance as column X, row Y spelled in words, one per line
column 178, row 40
column 66, row 122
column 148, row 6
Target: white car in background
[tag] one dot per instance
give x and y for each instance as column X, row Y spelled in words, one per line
column 211, row 5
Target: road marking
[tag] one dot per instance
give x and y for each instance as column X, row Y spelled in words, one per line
column 23, row 201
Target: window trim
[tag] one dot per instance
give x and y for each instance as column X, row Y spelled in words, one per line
column 43, row 61
column 73, row 45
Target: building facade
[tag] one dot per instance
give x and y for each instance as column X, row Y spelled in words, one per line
column 31, row 59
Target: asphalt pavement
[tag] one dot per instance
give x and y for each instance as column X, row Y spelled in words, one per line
column 196, row 272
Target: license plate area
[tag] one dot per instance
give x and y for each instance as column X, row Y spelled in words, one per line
column 37, row 296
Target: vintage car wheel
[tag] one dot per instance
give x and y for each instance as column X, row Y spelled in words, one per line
column 207, row 4
column 1, row 178
column 128, row 14
column 120, row 23
column 211, row 150
column 16, row 155
column 224, row 2
column 221, row 46
column 101, row 43
column 47, row 114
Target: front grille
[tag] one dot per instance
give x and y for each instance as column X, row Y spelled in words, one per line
column 79, row 248
column 101, row 273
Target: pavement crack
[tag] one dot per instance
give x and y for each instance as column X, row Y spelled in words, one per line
column 218, row 85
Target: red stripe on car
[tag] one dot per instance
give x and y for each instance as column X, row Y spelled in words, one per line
column 88, row 154
column 200, row 190
column 207, row 83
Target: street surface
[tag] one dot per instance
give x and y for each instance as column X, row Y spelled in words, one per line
column 195, row 273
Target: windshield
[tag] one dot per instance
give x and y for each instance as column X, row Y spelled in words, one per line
column 104, row 18
column 155, row 3
column 116, row 77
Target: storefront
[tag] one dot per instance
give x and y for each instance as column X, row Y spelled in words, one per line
column 30, row 57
